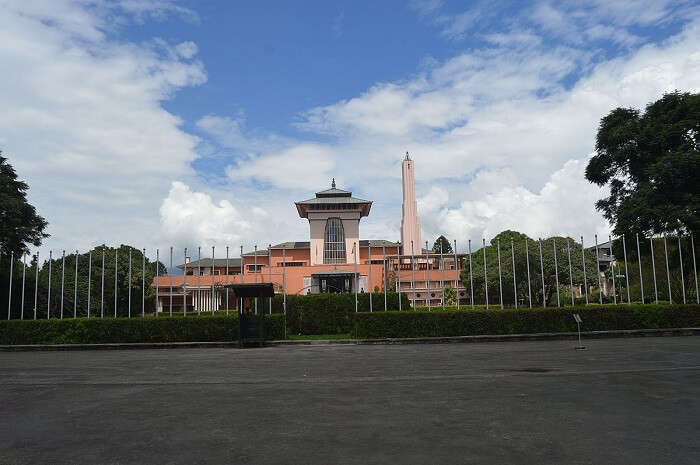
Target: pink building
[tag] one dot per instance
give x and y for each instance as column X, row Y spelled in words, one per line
column 334, row 259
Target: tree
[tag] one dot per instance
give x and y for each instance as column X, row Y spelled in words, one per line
column 442, row 241
column 20, row 224
column 651, row 163
column 563, row 245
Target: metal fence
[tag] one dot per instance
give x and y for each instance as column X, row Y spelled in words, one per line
column 95, row 287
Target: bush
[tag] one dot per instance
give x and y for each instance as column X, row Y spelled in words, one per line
column 541, row 320
column 331, row 313
column 127, row 330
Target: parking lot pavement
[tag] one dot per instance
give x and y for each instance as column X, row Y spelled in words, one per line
column 620, row 401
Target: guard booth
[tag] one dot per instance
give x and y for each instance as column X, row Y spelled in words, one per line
column 251, row 315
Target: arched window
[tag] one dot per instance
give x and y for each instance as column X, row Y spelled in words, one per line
column 334, row 244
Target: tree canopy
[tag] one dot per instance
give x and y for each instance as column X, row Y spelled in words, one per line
column 563, row 245
column 444, row 243
column 651, row 163
column 20, row 225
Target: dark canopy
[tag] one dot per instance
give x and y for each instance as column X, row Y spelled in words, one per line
column 253, row 290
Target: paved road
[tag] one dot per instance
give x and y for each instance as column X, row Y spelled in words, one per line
column 622, row 401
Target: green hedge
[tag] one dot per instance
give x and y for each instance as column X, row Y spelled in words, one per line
column 547, row 320
column 125, row 330
column 331, row 313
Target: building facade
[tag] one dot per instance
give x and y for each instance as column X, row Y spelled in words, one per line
column 334, row 259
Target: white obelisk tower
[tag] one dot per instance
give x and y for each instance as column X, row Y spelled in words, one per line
column 410, row 229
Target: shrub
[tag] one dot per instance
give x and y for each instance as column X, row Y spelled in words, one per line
column 540, row 320
column 127, row 330
column 331, row 313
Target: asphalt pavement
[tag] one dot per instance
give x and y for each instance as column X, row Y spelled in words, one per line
column 620, row 401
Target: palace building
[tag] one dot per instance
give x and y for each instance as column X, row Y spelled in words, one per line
column 334, row 259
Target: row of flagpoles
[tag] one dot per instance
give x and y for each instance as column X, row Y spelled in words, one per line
column 399, row 289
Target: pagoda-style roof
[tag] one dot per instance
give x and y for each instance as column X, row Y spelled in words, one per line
column 333, row 199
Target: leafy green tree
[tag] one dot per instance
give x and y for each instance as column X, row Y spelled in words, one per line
column 517, row 254
column 90, row 264
column 20, row 224
column 651, row 163
column 444, row 243
column 450, row 295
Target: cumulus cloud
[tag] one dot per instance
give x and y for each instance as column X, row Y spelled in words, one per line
column 496, row 129
column 563, row 206
column 83, row 119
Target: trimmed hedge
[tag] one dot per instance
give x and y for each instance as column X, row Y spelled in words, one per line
column 125, row 330
column 331, row 313
column 541, row 320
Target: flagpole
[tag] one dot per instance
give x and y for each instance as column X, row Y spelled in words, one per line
column 627, row 275
column 556, row 269
column 36, row 283
column 284, row 287
column 583, row 260
column 515, row 284
column 442, row 276
column 48, row 299
column 471, row 278
column 143, row 283
column 668, row 274
column 370, row 288
column 75, row 287
column 527, row 262
column 129, row 286
column 457, row 273
column 184, row 284
column 639, row 259
column 653, row 269
column 157, row 282
column 413, row 278
column 170, row 273
column 102, row 295
column 427, row 276
column 213, row 297
column 384, row 272
column 63, row 274
column 597, row 260
column 398, row 274
column 612, row 269
column 354, row 253
column 89, row 281
column 571, row 276
column 500, row 280
column 227, row 280
column 544, row 296
column 680, row 257
column 269, row 265
column 9, row 293
column 695, row 270
column 486, row 281
column 116, row 260
column 199, row 279
column 24, row 275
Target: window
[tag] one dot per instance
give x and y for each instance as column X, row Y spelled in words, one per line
column 254, row 268
column 285, row 264
column 334, row 244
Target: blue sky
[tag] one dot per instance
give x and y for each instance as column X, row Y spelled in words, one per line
column 185, row 123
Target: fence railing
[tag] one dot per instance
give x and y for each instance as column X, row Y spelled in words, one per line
column 126, row 282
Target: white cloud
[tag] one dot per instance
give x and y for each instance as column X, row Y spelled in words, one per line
column 496, row 120
column 83, row 120
column 563, row 206
column 189, row 217
column 304, row 166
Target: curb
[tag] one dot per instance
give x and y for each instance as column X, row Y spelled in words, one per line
column 625, row 333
